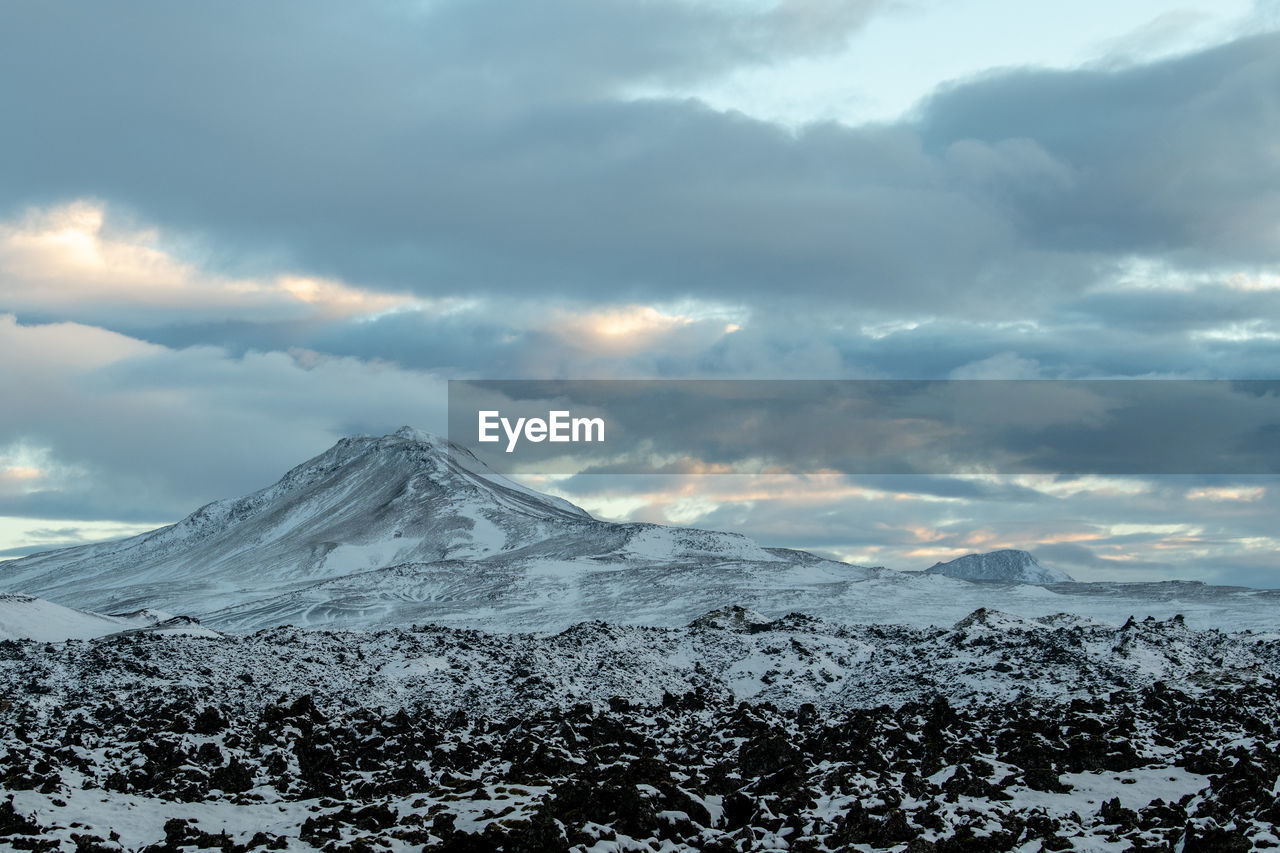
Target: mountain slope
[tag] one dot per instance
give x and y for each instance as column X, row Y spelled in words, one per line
column 24, row 617
column 550, row 593
column 1008, row 566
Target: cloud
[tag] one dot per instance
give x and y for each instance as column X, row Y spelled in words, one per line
column 451, row 149
column 83, row 262
column 1004, row 365
column 1165, row 33
column 1103, row 427
column 1098, row 529
column 134, row 430
column 33, row 535
column 1171, row 159
column 1224, row 493
column 26, row 470
column 66, row 261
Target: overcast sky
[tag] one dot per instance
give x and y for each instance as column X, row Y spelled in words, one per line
column 232, row 233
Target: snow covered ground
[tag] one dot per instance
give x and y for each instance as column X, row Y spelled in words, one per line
column 734, row 733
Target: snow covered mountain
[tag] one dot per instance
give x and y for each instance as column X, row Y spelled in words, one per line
column 397, row 530
column 1008, row 566
column 365, row 503
column 387, row 530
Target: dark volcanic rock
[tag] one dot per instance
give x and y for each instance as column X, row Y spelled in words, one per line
column 444, row 767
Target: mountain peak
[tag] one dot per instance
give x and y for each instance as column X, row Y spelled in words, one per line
column 420, row 436
column 1009, row 565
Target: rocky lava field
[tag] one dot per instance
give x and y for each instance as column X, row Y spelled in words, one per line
column 734, row 733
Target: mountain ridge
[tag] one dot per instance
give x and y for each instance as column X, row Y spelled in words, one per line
column 402, row 529
column 394, row 527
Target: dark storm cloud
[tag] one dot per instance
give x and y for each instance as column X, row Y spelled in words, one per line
column 1176, row 310
column 1102, row 427
column 1121, row 333
column 236, row 337
column 480, row 147
column 447, row 148
column 1176, row 157
column 79, row 504
column 1064, row 344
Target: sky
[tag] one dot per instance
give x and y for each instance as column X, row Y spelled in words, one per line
column 233, row 233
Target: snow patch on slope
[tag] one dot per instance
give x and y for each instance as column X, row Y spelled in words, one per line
column 24, row 617
column 654, row 542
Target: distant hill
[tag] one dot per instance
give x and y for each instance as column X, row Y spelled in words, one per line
column 1009, row 566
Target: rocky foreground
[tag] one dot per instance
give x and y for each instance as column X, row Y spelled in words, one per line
column 735, row 733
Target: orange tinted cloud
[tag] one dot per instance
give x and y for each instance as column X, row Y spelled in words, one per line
column 1224, row 493
column 71, row 258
